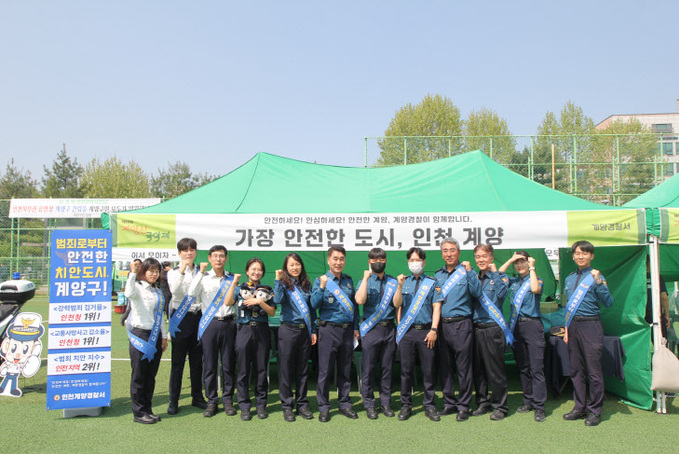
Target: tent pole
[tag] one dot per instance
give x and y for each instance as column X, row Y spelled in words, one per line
column 654, row 270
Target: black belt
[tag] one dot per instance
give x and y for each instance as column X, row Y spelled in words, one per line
column 485, row 325
column 456, row 319
column 586, row 318
column 525, row 319
column 141, row 330
column 224, row 319
column 336, row 325
column 196, row 313
column 294, row 325
column 252, row 323
column 389, row 322
column 421, row 327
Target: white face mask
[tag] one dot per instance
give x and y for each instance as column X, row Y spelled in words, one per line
column 416, row 267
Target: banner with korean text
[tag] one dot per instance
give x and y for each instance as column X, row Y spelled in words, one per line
column 79, row 335
column 550, row 230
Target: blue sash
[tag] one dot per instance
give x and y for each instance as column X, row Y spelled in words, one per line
column 381, row 310
column 148, row 348
column 214, row 306
column 452, row 280
column 516, row 305
column 497, row 317
column 576, row 298
column 179, row 314
column 297, row 298
column 345, row 302
column 414, row 308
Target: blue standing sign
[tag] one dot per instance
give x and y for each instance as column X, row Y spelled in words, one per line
column 79, row 335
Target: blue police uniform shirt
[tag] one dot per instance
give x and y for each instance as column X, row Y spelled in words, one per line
column 424, row 316
column 596, row 294
column 289, row 311
column 496, row 286
column 459, row 301
column 374, row 299
column 328, row 306
column 245, row 315
column 531, row 301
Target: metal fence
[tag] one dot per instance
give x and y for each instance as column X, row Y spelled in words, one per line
column 605, row 168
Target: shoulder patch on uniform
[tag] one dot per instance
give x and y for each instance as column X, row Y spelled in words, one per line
column 505, row 280
column 438, row 289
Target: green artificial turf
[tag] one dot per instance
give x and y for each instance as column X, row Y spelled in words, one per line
column 26, row 427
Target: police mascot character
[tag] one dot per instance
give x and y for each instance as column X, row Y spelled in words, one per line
column 21, row 351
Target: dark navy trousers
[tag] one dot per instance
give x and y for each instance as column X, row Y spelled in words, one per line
column 456, row 350
column 529, row 351
column 294, row 351
column 490, row 378
column 585, row 347
column 219, row 341
column 379, row 348
column 253, row 343
column 335, row 349
column 186, row 343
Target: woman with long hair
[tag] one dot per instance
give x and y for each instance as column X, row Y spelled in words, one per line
column 296, row 335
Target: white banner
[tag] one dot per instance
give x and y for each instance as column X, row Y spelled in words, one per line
column 362, row 232
column 74, row 208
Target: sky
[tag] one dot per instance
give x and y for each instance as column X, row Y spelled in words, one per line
column 212, row 83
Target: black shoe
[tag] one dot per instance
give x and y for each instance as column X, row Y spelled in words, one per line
column 155, row 416
column 482, row 410
column 210, row 410
column 525, row 409
column 245, row 415
column 172, row 409
column 371, row 413
column 262, row 413
column 592, row 420
column 324, row 416
column 288, row 415
column 145, row 419
column 448, row 411
column 462, row 415
column 539, row 416
column 199, row 404
column 497, row 416
column 574, row 415
column 432, row 414
column 348, row 412
column 305, row 413
column 387, row 411
column 404, row 413
column 230, row 410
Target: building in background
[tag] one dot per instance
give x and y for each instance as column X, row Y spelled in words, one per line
column 666, row 125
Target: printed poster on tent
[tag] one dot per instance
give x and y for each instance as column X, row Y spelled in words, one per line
column 79, row 336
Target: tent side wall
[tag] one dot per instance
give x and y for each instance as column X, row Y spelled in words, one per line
column 624, row 269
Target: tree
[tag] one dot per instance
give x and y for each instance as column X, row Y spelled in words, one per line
column 17, row 183
column 115, row 179
column 414, row 134
column 63, row 179
column 629, row 150
column 177, row 180
column 485, row 130
column 571, row 136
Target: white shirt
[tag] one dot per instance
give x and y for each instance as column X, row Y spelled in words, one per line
column 143, row 301
column 179, row 286
column 205, row 287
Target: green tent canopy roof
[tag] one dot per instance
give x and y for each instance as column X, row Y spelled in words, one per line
column 464, row 183
column 666, row 194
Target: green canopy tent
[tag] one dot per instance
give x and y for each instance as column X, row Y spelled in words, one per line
column 272, row 205
column 662, row 207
